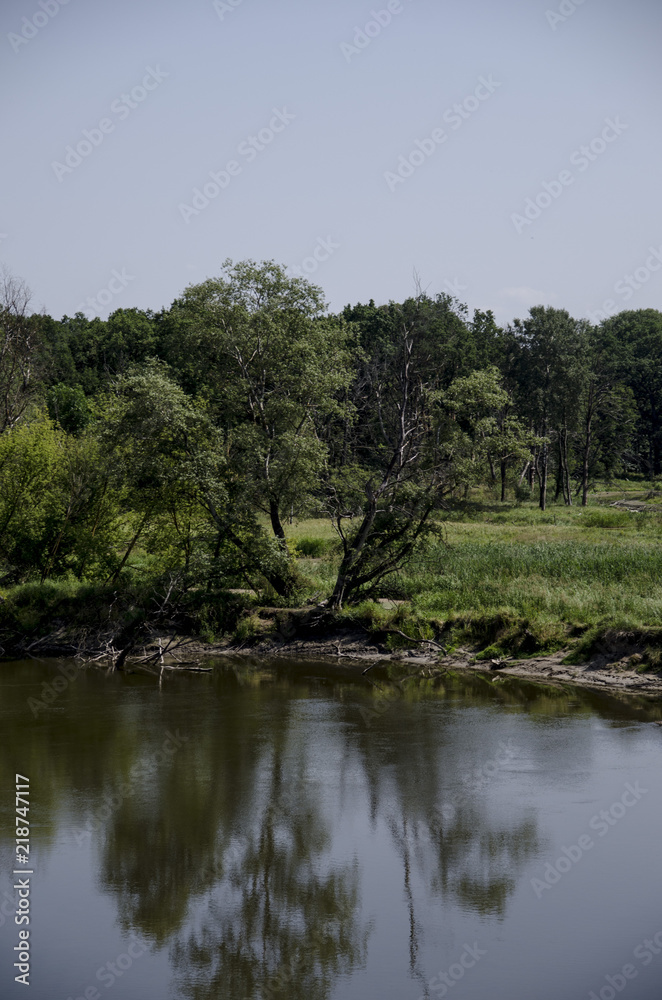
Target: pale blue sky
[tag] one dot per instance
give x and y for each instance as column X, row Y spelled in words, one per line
column 219, row 74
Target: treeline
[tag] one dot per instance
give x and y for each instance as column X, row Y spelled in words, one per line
column 190, row 437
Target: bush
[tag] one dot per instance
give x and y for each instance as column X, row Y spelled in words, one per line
column 609, row 518
column 314, row 548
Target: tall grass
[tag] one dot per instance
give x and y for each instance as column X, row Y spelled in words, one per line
column 527, row 579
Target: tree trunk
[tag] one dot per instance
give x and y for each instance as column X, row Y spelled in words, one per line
column 560, row 481
column 351, row 556
column 656, row 460
column 587, row 448
column 525, row 474
column 503, row 466
column 94, row 530
column 542, row 475
column 53, row 552
column 282, row 582
column 567, row 491
column 114, row 577
column 276, row 526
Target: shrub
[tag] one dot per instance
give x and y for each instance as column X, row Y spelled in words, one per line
column 314, row 548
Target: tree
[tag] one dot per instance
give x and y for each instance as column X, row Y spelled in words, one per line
column 172, row 461
column 19, row 350
column 480, row 404
column 256, row 345
column 395, row 493
column 68, row 406
column 57, row 509
column 551, row 374
column 154, row 435
column 633, row 339
column 607, row 412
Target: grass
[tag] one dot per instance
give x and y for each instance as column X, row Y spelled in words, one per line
column 70, row 611
column 503, row 579
column 511, row 579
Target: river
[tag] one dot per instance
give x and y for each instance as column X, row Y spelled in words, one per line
column 288, row 830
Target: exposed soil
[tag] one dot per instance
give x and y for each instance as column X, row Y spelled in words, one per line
column 355, row 650
column 609, row 669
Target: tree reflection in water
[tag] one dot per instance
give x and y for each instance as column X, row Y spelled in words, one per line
column 224, row 856
column 230, row 852
column 283, row 922
column 463, row 856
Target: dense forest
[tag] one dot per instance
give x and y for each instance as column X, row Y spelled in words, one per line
column 197, row 434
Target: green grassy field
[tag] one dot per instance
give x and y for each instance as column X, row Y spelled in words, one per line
column 519, row 580
column 497, row 578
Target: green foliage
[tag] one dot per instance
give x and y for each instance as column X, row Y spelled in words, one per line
column 606, row 518
column 190, row 443
column 255, row 344
column 316, row 548
column 68, row 407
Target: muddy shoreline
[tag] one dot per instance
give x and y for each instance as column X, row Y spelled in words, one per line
column 358, row 653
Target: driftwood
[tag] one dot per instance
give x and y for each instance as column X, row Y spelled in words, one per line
column 409, row 638
column 635, row 505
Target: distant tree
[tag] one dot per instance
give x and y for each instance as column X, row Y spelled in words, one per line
column 20, row 360
column 633, row 339
column 551, row 372
column 495, row 434
column 452, row 346
column 607, row 413
column 68, row 406
column 382, row 508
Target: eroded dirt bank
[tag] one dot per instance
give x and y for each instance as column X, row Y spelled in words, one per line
column 357, row 651
column 608, row 670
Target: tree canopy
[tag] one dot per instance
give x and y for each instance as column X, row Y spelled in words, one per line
column 196, row 434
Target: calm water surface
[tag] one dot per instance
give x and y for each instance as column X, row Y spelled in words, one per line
column 249, row 834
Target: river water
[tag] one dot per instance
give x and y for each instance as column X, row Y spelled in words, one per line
column 295, row 832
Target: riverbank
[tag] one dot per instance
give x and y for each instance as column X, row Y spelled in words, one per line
column 609, row 670
column 613, row 668
column 570, row 595
column 358, row 643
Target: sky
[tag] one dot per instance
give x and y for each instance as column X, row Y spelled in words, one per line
column 505, row 152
